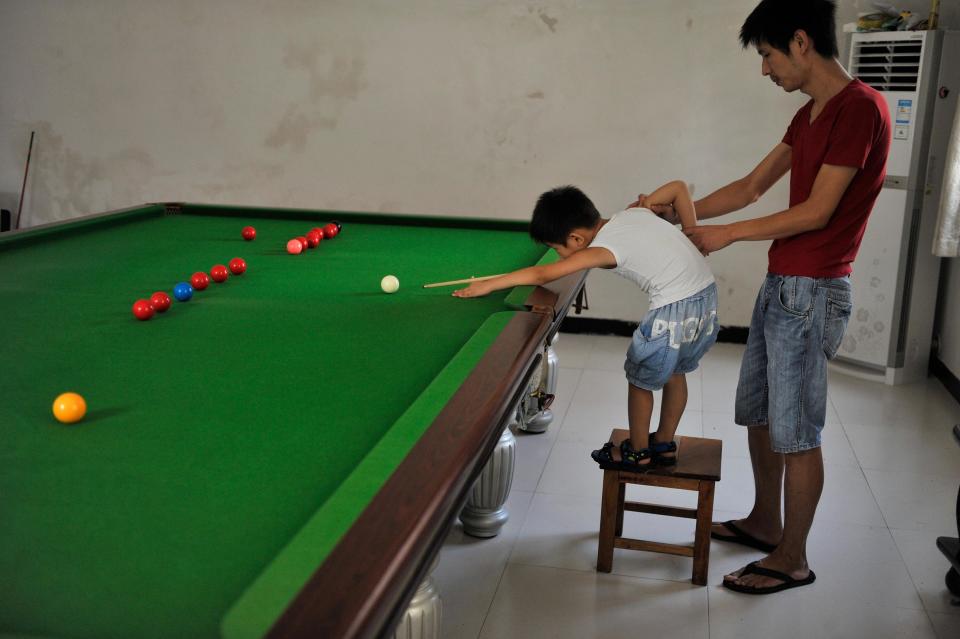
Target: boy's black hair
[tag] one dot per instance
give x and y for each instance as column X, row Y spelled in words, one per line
column 775, row 22
column 558, row 212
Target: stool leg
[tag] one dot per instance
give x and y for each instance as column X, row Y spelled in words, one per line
column 701, row 541
column 608, row 520
column 621, row 494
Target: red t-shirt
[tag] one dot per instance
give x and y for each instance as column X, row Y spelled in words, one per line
column 852, row 130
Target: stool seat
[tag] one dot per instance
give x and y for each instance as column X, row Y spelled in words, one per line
column 697, row 469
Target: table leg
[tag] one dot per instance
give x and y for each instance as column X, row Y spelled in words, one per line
column 484, row 513
column 423, row 615
column 532, row 416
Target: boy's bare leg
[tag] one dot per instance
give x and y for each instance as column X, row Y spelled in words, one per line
column 639, row 410
column 802, row 488
column 764, row 521
column 672, row 405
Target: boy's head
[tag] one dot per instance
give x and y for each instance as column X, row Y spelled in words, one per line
column 786, row 32
column 564, row 219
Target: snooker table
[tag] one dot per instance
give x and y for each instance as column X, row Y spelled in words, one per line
column 280, row 456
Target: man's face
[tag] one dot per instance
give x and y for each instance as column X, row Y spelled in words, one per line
column 781, row 67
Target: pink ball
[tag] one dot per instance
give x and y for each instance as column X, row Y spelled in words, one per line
column 294, row 247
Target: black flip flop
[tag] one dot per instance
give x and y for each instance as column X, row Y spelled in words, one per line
column 742, row 537
column 756, row 569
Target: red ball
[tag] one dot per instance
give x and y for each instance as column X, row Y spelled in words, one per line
column 160, row 301
column 248, row 233
column 313, row 239
column 237, row 266
column 142, row 310
column 330, row 231
column 219, row 273
column 294, row 247
column 303, row 241
column 199, row 281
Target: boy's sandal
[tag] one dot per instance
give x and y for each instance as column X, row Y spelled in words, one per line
column 633, row 460
column 660, row 448
column 604, row 457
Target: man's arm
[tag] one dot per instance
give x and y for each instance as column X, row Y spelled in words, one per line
column 813, row 214
column 535, row 275
column 747, row 190
column 677, row 195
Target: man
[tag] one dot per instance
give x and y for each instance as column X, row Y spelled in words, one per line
column 836, row 150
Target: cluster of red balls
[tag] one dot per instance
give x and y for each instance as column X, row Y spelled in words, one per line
column 313, row 238
column 160, row 302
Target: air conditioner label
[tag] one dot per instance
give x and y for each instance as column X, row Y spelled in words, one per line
column 901, row 129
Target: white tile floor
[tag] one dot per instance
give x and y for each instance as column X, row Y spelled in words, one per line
column 892, row 473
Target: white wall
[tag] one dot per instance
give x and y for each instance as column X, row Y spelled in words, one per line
column 428, row 106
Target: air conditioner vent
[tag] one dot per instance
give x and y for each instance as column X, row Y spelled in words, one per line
column 888, row 66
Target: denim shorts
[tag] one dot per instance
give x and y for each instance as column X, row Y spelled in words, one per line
column 797, row 326
column 671, row 340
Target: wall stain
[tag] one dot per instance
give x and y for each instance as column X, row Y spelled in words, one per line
column 550, row 22
column 242, row 177
column 295, row 126
column 689, row 24
column 64, row 183
column 535, row 95
column 331, row 83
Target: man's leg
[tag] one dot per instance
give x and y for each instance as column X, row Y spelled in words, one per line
column 799, row 331
column 752, row 410
column 802, row 488
column 763, row 522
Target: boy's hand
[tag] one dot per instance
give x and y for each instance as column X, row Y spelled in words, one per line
column 477, row 289
column 710, row 238
column 665, row 211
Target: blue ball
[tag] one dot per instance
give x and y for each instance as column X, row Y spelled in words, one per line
column 183, row 291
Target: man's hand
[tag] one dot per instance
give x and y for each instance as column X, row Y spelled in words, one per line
column 665, row 211
column 709, row 238
column 477, row 289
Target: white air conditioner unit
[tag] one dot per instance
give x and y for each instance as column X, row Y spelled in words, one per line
column 895, row 275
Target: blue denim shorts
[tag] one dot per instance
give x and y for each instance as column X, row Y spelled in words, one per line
column 671, row 340
column 797, row 326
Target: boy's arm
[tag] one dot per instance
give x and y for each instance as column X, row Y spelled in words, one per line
column 676, row 194
column 534, row 275
column 747, row 190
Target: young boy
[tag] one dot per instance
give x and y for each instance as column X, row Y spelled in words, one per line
column 677, row 330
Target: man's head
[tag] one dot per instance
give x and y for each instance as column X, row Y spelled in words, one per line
column 564, row 219
column 789, row 36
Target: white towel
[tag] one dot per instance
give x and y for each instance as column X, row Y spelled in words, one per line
column 946, row 240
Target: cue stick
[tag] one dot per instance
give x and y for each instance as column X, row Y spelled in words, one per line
column 468, row 280
column 26, row 170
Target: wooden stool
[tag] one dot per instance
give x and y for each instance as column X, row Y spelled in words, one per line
column 697, row 468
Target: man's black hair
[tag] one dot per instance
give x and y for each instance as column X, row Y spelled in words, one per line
column 558, row 212
column 775, row 22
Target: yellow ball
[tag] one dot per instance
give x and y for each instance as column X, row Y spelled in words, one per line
column 390, row 284
column 69, row 408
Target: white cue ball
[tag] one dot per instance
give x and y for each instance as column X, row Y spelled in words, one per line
column 390, row 284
